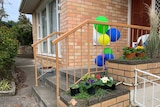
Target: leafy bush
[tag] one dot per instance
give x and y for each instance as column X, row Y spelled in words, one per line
column 8, row 50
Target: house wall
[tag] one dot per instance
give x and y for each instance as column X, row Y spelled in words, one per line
column 74, row 12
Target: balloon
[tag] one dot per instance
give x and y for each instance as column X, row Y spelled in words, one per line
column 114, row 34
column 104, row 39
column 99, row 27
column 108, row 57
column 107, row 51
column 99, row 60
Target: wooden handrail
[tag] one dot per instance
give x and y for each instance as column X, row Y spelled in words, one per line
column 46, row 37
column 119, row 25
column 97, row 22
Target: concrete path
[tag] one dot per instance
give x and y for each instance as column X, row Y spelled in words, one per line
column 24, row 97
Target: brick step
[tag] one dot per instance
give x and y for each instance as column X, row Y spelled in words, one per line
column 44, row 96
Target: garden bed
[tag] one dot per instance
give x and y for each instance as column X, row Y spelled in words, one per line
column 119, row 96
column 135, row 62
column 10, row 92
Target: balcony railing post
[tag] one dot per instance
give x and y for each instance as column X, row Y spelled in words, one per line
column 57, row 74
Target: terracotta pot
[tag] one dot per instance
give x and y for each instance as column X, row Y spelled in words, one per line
column 140, row 55
column 130, row 56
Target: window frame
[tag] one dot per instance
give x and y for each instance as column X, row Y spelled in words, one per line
column 45, row 6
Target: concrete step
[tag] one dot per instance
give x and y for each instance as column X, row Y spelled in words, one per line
column 77, row 72
column 50, row 83
column 44, row 96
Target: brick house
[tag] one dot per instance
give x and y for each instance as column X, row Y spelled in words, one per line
column 73, row 43
column 63, row 15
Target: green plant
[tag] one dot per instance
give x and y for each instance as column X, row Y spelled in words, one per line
column 153, row 41
column 74, row 86
column 5, row 85
column 8, row 50
column 140, row 49
column 128, row 50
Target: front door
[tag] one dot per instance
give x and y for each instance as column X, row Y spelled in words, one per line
column 139, row 16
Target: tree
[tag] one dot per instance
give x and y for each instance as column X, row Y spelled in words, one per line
column 2, row 11
column 23, row 30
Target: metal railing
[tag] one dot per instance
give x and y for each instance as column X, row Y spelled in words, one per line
column 146, row 89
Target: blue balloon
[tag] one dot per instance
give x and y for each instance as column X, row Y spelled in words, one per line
column 99, row 60
column 114, row 34
column 108, row 57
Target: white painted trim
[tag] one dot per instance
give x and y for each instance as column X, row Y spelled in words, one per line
column 45, row 5
column 129, row 20
column 48, row 30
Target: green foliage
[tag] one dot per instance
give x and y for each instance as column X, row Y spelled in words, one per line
column 74, row 86
column 8, row 50
column 82, row 95
column 23, row 31
column 140, row 49
column 153, row 41
column 5, row 85
column 128, row 50
column 2, row 11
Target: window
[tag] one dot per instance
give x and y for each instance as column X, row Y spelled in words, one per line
column 48, row 22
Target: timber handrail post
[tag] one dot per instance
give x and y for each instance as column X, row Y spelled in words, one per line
column 57, row 75
column 35, row 65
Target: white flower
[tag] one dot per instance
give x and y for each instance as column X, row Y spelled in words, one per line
column 104, row 79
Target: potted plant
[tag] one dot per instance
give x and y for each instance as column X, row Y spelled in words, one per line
column 107, row 83
column 74, row 89
column 129, row 52
column 140, row 51
column 88, row 83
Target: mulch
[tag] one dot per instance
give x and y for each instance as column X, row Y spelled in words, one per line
column 20, row 79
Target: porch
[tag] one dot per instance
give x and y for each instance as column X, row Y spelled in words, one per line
column 75, row 52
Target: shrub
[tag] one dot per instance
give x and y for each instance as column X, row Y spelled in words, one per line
column 8, row 50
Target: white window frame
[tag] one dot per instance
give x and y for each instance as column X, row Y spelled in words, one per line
column 39, row 25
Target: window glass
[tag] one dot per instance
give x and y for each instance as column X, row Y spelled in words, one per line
column 44, row 30
column 53, row 22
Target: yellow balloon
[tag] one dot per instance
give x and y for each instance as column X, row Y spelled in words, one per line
column 104, row 39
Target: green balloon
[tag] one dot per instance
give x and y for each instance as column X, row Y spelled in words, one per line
column 107, row 51
column 101, row 28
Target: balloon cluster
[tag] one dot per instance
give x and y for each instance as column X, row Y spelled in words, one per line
column 105, row 34
column 102, row 58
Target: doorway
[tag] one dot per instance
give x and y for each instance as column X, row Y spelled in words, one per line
column 139, row 16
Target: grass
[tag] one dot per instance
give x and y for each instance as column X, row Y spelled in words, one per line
column 84, row 95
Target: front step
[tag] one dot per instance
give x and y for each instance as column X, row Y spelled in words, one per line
column 44, row 96
column 50, row 82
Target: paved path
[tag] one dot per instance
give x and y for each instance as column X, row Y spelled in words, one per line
column 24, row 97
